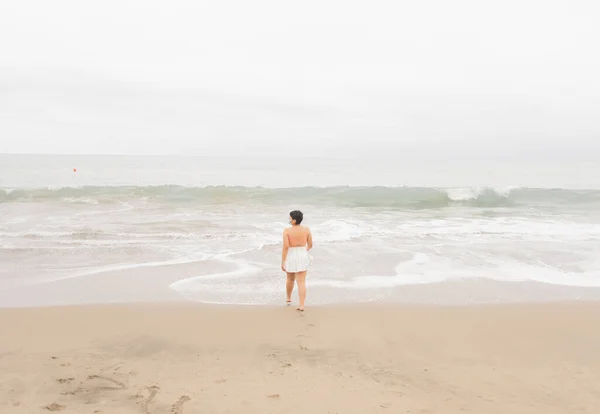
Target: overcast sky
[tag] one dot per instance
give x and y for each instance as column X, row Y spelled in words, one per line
column 170, row 77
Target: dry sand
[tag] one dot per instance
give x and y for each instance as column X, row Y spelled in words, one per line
column 174, row 358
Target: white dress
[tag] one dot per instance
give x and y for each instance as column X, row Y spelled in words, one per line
column 297, row 260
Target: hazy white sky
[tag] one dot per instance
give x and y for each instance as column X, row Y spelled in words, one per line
column 134, row 76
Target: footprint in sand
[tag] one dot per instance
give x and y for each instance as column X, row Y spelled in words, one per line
column 55, row 407
column 178, row 407
column 119, row 384
column 153, row 391
column 90, row 386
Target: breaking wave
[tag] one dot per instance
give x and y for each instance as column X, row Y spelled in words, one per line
column 394, row 197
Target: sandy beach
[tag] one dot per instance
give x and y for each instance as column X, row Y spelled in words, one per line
column 187, row 358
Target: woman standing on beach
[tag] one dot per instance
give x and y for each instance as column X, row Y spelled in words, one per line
column 297, row 242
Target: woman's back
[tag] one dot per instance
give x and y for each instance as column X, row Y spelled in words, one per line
column 298, row 236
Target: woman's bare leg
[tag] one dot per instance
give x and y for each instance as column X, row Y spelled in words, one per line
column 301, row 281
column 289, row 286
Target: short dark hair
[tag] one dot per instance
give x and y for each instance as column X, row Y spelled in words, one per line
column 297, row 215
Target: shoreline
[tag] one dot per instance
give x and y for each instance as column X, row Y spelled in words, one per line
column 188, row 357
column 342, row 305
column 154, row 285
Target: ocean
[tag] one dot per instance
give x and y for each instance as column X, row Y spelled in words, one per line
column 102, row 229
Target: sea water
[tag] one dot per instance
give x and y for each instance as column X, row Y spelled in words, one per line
column 80, row 229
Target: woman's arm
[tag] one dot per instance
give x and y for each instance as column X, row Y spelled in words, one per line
column 286, row 246
column 309, row 240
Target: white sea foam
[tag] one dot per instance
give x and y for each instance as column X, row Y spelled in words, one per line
column 425, row 269
column 462, row 194
column 332, row 231
column 253, row 283
column 127, row 266
column 473, row 193
column 226, row 287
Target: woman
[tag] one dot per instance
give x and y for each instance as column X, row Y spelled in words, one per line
column 297, row 242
